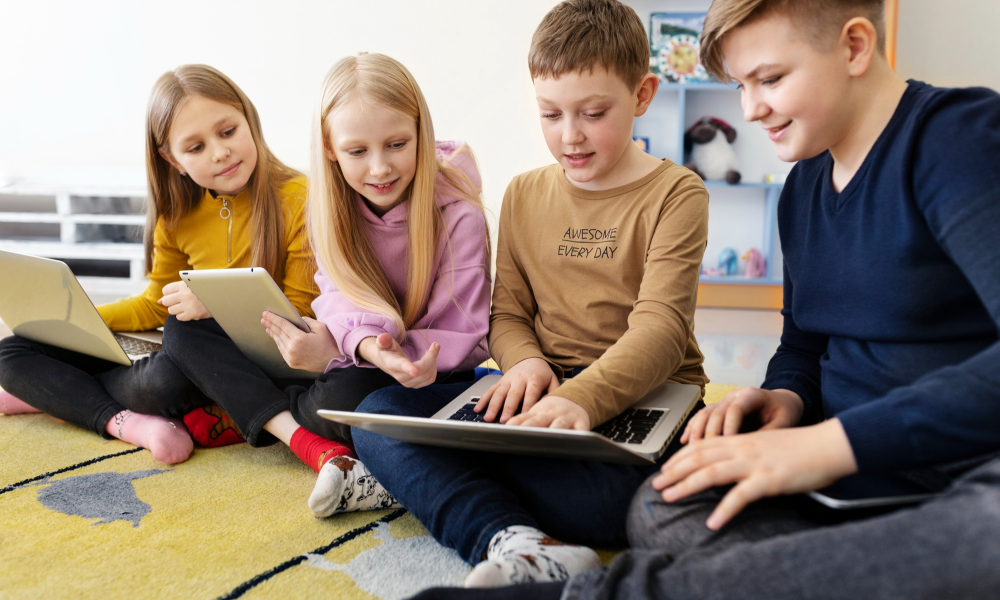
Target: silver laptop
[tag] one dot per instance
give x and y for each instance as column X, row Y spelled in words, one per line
column 638, row 436
column 237, row 298
column 42, row 301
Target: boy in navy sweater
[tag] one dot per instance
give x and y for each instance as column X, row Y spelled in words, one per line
column 889, row 360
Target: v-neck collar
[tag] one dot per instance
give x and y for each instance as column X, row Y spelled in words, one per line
column 840, row 198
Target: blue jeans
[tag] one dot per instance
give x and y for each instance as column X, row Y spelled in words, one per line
column 464, row 497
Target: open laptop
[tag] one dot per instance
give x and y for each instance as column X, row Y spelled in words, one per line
column 638, row 436
column 41, row 300
column 237, row 298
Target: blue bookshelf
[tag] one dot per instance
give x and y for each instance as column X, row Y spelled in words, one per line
column 772, row 191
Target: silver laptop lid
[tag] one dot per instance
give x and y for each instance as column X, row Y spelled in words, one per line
column 42, row 301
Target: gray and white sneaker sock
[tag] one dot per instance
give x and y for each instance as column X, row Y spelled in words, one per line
column 345, row 485
column 522, row 554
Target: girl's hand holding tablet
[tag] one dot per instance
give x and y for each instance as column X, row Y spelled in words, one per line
column 182, row 303
column 311, row 351
column 385, row 353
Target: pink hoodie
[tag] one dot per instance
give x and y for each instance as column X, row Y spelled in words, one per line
column 457, row 312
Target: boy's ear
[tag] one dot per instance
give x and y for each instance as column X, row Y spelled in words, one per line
column 861, row 40
column 645, row 92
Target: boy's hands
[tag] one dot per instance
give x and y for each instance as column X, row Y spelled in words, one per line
column 385, row 353
column 555, row 412
column 182, row 303
column 775, row 408
column 311, row 351
column 762, row 463
column 529, row 380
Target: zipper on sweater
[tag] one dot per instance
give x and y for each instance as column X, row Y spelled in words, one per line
column 226, row 214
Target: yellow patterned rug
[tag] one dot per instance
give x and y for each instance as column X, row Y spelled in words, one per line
column 81, row 517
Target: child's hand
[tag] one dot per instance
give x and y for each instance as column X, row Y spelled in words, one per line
column 385, row 353
column 182, row 303
column 775, row 408
column 762, row 463
column 529, row 380
column 554, row 412
column 311, row 351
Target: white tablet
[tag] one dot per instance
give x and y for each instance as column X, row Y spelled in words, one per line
column 237, row 298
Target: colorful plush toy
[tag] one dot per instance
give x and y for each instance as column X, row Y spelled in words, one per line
column 756, row 265
column 728, row 263
column 708, row 144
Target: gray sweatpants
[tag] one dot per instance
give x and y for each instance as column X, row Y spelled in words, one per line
column 947, row 547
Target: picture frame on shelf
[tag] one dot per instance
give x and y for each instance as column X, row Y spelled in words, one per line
column 674, row 45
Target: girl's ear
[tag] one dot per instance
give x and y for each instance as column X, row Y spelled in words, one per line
column 328, row 152
column 170, row 159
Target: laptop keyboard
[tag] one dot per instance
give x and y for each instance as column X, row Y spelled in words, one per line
column 135, row 347
column 467, row 414
column 632, row 426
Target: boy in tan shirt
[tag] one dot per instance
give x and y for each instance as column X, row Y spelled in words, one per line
column 597, row 273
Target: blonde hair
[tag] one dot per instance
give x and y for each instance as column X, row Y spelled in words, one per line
column 338, row 233
column 172, row 196
column 819, row 19
column 578, row 35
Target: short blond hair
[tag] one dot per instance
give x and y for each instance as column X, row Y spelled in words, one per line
column 821, row 20
column 578, row 35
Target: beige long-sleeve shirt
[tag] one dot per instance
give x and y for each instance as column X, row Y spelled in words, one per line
column 602, row 279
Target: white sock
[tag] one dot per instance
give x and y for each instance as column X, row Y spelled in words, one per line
column 522, row 554
column 345, row 485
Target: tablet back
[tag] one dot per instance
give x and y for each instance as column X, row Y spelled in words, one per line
column 237, row 298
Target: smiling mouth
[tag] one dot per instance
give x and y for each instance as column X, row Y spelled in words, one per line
column 230, row 170
column 383, row 186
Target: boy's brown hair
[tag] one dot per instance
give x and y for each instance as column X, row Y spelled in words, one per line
column 820, row 20
column 578, row 35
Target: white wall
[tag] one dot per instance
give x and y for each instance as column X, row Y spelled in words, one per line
column 950, row 44
column 75, row 76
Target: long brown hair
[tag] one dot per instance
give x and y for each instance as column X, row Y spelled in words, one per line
column 338, row 233
column 172, row 196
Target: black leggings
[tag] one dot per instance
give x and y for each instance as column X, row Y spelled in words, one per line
column 88, row 391
column 206, row 355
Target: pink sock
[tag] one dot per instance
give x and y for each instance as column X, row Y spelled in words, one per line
column 167, row 439
column 9, row 405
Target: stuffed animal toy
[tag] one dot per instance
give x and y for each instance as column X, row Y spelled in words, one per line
column 710, row 154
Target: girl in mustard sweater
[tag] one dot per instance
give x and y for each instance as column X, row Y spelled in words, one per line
column 218, row 198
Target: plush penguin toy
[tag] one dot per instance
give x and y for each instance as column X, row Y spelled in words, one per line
column 709, row 146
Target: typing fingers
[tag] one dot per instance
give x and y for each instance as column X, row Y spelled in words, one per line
column 514, row 387
column 532, row 393
column 541, row 419
column 511, row 403
column 484, row 400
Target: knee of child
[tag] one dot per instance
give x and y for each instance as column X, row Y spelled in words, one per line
column 655, row 524
column 384, row 401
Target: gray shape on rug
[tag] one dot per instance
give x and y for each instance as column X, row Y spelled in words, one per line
column 105, row 496
column 399, row 568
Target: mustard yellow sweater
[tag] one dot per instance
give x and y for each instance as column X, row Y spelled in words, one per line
column 200, row 241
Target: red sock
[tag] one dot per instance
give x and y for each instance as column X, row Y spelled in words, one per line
column 211, row 427
column 314, row 450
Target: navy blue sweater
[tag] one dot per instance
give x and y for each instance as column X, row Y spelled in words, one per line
column 892, row 286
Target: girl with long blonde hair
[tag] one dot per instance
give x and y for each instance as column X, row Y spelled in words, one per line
column 402, row 247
